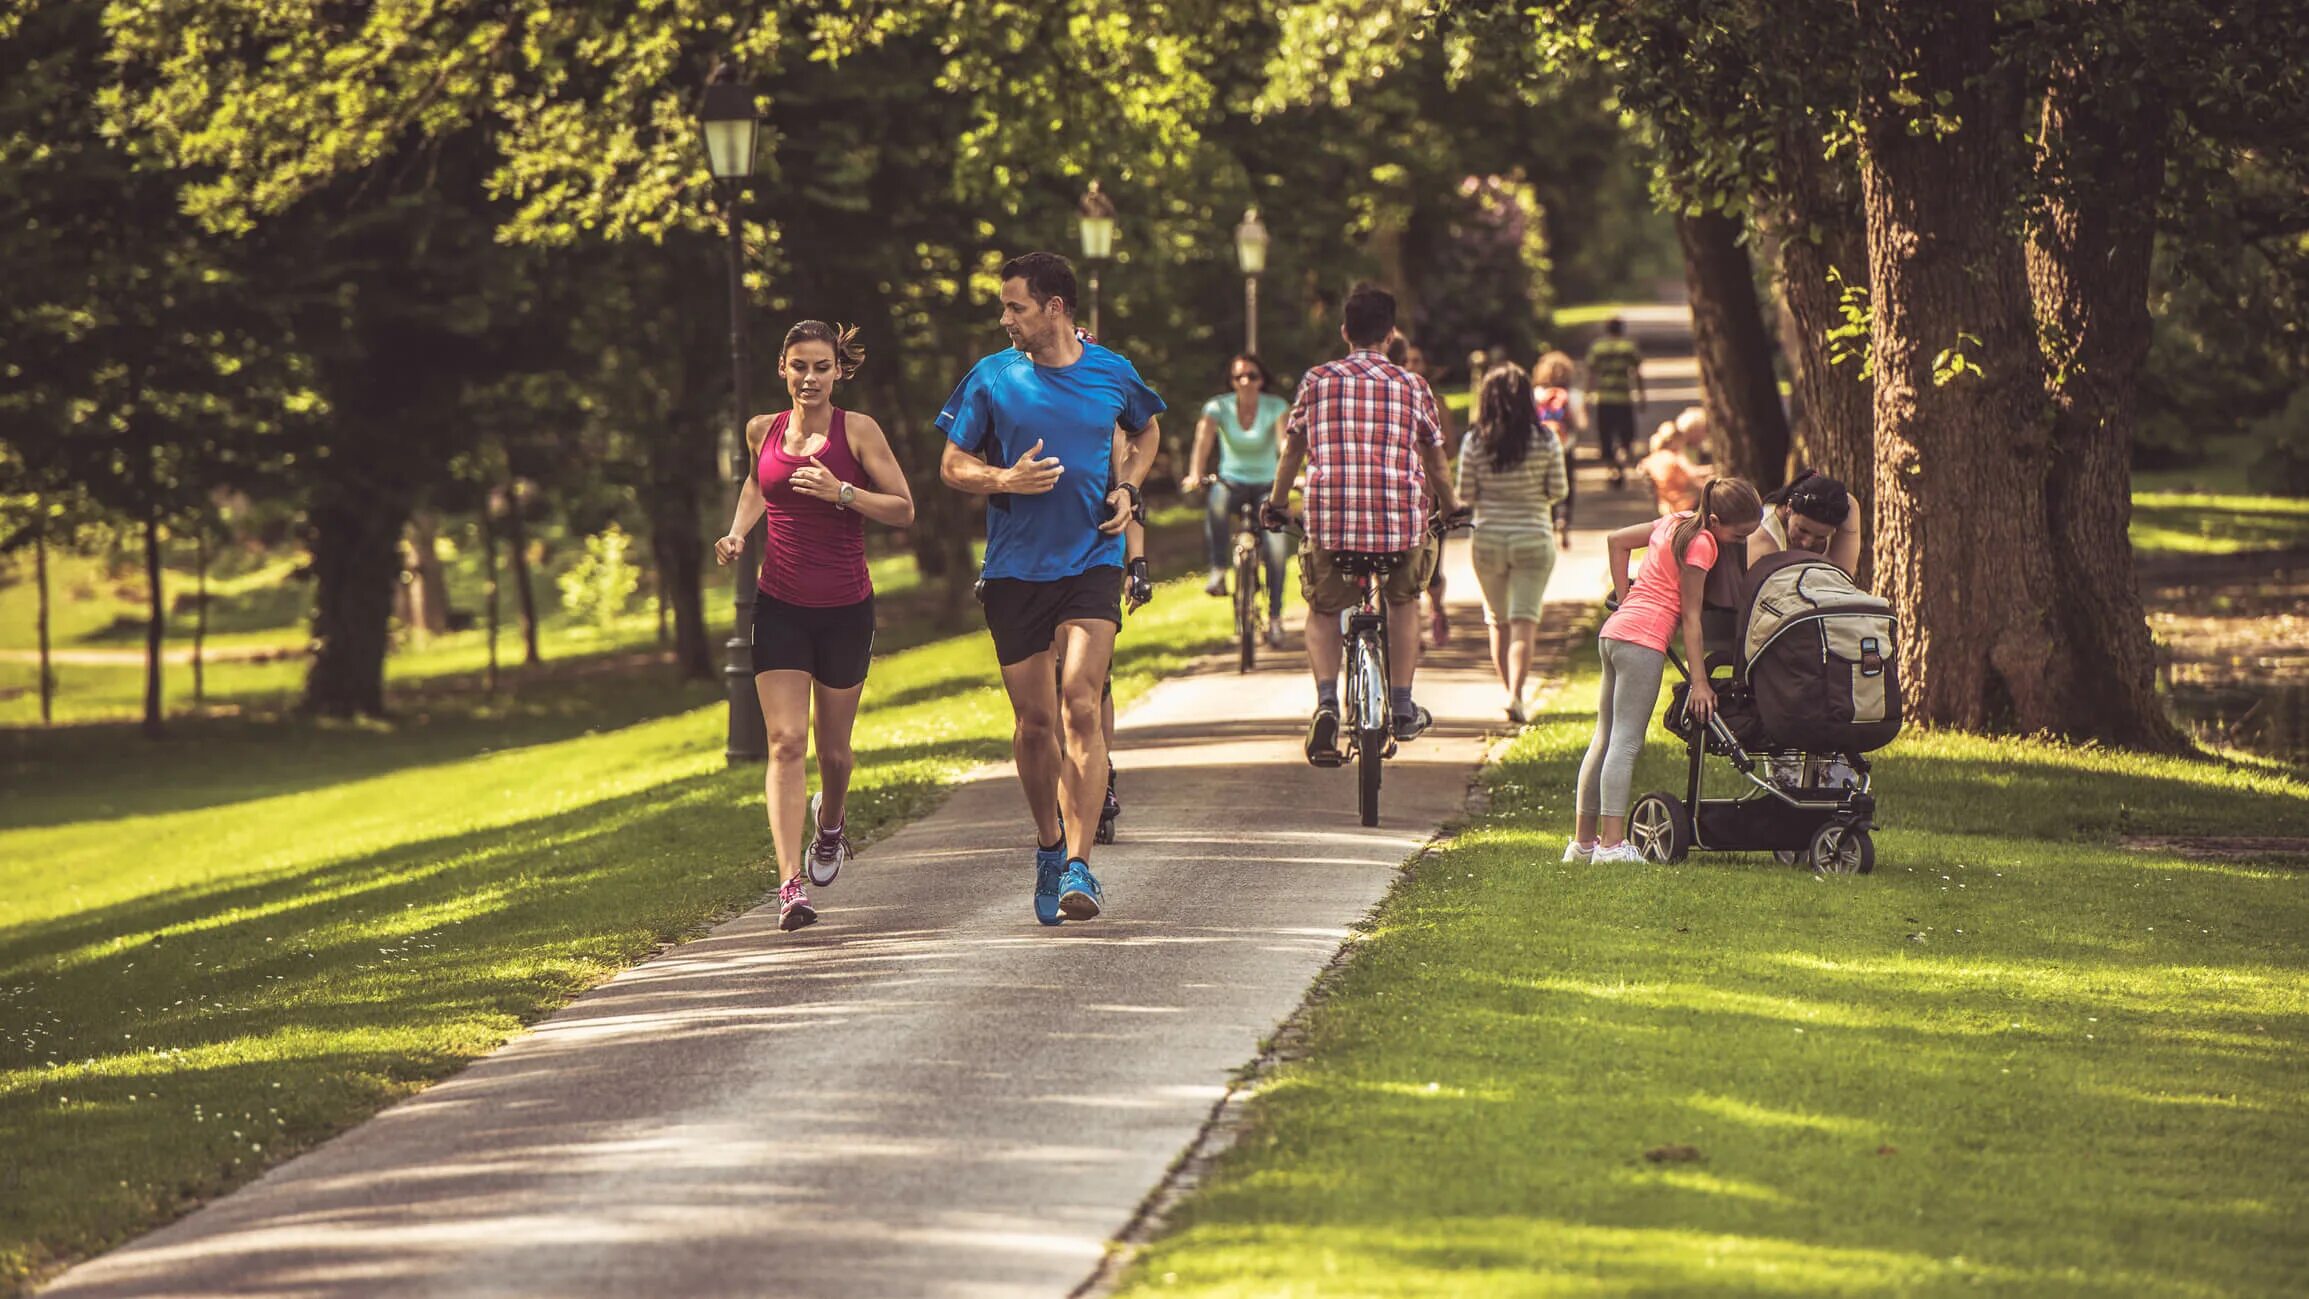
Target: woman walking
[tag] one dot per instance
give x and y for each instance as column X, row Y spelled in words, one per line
column 1245, row 423
column 1511, row 470
column 1551, row 380
column 819, row 472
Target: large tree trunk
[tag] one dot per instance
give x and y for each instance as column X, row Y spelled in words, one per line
column 1747, row 423
column 2088, row 262
column 1823, row 247
column 155, row 624
column 429, row 592
column 356, row 562
column 677, row 549
column 1962, row 548
column 40, row 575
column 517, row 542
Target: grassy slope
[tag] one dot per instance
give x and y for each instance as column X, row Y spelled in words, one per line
column 2196, row 523
column 2018, row 1058
column 217, row 951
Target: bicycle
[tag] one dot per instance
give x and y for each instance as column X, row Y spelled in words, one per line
column 1366, row 722
column 1250, row 611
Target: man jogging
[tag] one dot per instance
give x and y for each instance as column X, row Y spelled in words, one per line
column 1368, row 432
column 1032, row 430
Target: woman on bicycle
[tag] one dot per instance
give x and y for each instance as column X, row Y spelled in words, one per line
column 1511, row 470
column 1245, row 423
column 819, row 472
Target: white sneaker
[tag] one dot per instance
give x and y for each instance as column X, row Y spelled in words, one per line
column 827, row 854
column 1274, row 633
column 1218, row 583
column 1573, row 853
column 1621, row 853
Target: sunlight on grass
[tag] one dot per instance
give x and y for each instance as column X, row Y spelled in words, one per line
column 2201, row 524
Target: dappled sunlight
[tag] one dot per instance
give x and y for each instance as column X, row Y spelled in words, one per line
column 1763, row 1116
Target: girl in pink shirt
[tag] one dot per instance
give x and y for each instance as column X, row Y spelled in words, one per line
column 1678, row 552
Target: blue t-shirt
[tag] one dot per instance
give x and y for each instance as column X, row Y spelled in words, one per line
column 1003, row 406
column 1248, row 455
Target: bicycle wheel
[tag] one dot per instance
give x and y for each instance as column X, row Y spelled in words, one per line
column 1247, row 611
column 1371, row 717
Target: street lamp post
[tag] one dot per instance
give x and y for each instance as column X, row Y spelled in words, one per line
column 1251, row 251
column 731, row 128
column 1097, row 242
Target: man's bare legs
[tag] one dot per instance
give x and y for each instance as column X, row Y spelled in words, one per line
column 1033, row 687
column 1085, row 650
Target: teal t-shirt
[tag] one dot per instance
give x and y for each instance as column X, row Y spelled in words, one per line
column 1248, row 455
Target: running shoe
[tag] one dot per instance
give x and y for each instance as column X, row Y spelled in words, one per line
column 1079, row 897
column 1111, row 813
column 1218, row 583
column 1323, row 736
column 1573, row 854
column 829, row 852
column 794, row 909
column 1274, row 631
column 1622, row 853
column 1049, row 873
column 1410, row 726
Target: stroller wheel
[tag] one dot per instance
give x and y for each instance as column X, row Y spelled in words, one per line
column 1792, row 856
column 1837, row 850
column 1660, row 828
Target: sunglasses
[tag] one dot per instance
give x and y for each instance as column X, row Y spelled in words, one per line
column 1246, row 375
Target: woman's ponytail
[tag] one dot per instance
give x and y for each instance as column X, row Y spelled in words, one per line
column 1698, row 519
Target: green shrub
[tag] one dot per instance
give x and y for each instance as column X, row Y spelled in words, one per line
column 599, row 586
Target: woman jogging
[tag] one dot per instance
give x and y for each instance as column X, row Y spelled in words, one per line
column 819, row 472
column 1511, row 470
column 1245, row 423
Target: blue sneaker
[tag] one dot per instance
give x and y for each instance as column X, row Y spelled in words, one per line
column 1079, row 897
column 1049, row 867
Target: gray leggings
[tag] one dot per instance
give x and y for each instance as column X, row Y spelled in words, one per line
column 1631, row 685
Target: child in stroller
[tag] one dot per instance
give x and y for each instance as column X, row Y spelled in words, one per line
column 1812, row 687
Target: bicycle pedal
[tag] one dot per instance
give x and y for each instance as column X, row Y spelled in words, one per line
column 1332, row 759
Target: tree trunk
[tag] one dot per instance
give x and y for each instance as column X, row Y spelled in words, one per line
column 40, row 576
column 2088, row 259
column 1823, row 241
column 1962, row 549
column 1746, row 422
column 155, row 625
column 945, row 521
column 677, row 548
column 517, row 541
column 200, row 617
column 429, row 592
column 489, row 586
column 356, row 563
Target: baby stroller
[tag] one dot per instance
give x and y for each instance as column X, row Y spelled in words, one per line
column 1812, row 687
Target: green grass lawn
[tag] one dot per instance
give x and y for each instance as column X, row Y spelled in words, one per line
column 2018, row 1059
column 2195, row 523
column 218, row 950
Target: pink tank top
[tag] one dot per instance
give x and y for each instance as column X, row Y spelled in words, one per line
column 816, row 552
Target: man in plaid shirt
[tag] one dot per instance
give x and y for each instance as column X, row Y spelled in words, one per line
column 1368, row 432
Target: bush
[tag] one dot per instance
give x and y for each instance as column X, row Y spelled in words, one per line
column 601, row 584
column 2283, row 437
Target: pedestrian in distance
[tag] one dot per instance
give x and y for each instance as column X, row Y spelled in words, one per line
column 1675, row 479
column 1032, row 429
column 1615, row 388
column 1551, row 380
column 1367, row 432
column 1412, row 357
column 1679, row 552
column 819, row 473
column 1511, row 472
column 1245, row 426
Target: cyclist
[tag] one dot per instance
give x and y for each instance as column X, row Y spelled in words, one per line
column 1615, row 388
column 1366, row 429
column 1245, row 423
column 1031, row 428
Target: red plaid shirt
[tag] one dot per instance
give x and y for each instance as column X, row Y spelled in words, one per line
column 1365, row 420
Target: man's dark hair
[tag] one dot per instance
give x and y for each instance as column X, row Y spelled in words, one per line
column 1370, row 315
column 1047, row 276
column 1615, row 327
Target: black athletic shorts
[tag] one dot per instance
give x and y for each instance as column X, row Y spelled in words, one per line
column 833, row 644
column 1024, row 616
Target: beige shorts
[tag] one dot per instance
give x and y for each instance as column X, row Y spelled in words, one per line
column 1328, row 591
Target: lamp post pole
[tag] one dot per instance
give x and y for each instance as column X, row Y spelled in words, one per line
column 1097, row 242
column 730, row 127
column 1251, row 251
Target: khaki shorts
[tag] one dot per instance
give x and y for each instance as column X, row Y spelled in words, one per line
column 1328, row 591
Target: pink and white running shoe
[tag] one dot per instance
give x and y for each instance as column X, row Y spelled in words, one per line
column 794, row 909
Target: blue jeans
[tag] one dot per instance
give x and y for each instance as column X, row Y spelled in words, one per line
column 1219, row 505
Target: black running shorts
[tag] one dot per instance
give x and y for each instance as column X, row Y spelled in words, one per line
column 1024, row 616
column 833, row 644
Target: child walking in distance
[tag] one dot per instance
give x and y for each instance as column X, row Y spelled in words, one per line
column 819, row 472
column 1678, row 552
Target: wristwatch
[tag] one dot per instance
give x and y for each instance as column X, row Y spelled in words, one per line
column 849, row 494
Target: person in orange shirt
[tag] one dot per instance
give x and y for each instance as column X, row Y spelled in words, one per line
column 1675, row 480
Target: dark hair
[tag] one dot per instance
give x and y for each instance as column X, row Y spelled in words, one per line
column 1505, row 420
column 1266, row 376
column 1369, row 315
column 1047, row 276
column 1615, row 326
column 849, row 353
column 1398, row 349
column 1722, row 500
column 1816, row 496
